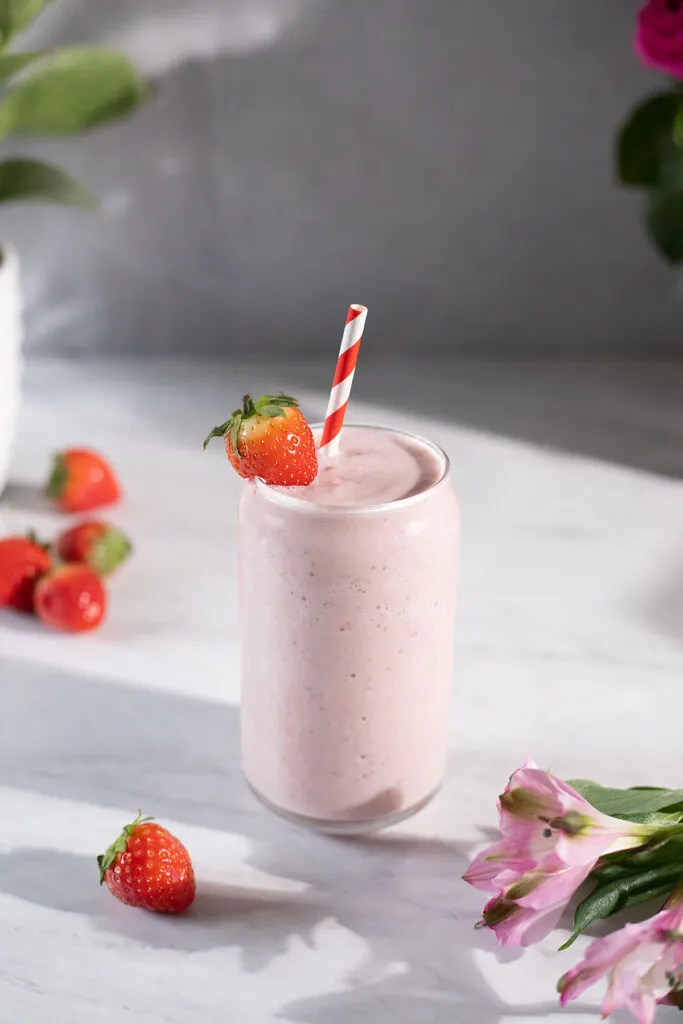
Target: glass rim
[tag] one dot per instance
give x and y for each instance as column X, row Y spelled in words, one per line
column 316, row 507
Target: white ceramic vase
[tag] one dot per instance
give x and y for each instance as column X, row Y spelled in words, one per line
column 11, row 361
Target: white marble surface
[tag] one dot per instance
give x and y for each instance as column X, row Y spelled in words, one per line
column 570, row 648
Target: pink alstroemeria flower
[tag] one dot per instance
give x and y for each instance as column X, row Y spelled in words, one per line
column 644, row 964
column 659, row 36
column 552, row 839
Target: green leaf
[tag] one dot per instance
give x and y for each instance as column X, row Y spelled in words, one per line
column 106, row 859
column 678, row 127
column 271, row 411
column 234, row 436
column 665, row 222
column 72, row 91
column 611, row 896
column 281, row 399
column 662, row 818
column 643, row 140
column 15, row 15
column 625, row 802
column 12, row 63
column 630, row 862
column 110, row 551
column 31, row 179
column 267, row 405
column 59, row 475
column 222, row 430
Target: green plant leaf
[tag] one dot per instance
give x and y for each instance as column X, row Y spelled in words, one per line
column 677, row 131
column 15, row 15
column 12, row 63
column 624, row 802
column 665, row 222
column 663, row 818
column 610, row 896
column 643, row 140
column 72, row 91
column 630, row 862
column 31, row 179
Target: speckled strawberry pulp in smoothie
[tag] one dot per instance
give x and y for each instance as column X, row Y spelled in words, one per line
column 347, row 601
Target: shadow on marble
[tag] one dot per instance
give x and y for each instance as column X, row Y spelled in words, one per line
column 51, row 878
column 71, row 736
column 21, row 622
column 662, row 606
column 25, row 496
column 259, row 922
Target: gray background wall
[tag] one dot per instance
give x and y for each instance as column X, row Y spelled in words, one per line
column 446, row 162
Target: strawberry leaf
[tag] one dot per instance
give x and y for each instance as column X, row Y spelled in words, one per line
column 234, row 434
column 280, row 402
column 271, row 411
column 270, row 406
column 222, row 430
column 113, row 548
column 106, row 859
column 58, row 477
column 33, row 537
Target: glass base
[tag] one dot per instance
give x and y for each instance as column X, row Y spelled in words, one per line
column 337, row 827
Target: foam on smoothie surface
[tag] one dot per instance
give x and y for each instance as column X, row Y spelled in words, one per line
column 372, row 467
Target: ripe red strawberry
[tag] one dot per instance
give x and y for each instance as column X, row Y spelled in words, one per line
column 270, row 439
column 22, row 562
column 95, row 543
column 148, row 867
column 71, row 598
column 81, row 480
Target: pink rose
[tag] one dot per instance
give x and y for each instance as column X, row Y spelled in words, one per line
column 552, row 840
column 643, row 962
column 659, row 36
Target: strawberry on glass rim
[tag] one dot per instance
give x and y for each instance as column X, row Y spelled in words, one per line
column 270, row 439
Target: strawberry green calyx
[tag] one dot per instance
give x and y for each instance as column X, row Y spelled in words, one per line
column 269, row 406
column 105, row 860
column 59, row 476
column 113, row 548
column 33, row 537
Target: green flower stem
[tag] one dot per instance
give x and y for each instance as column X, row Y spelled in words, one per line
column 668, row 832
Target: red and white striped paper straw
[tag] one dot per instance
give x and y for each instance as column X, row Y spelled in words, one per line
column 343, row 378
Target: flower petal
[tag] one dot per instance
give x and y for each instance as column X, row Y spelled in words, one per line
column 640, row 960
column 497, row 866
column 520, row 926
column 557, row 886
column 642, row 1005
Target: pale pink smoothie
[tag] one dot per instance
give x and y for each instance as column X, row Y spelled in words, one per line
column 347, row 603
